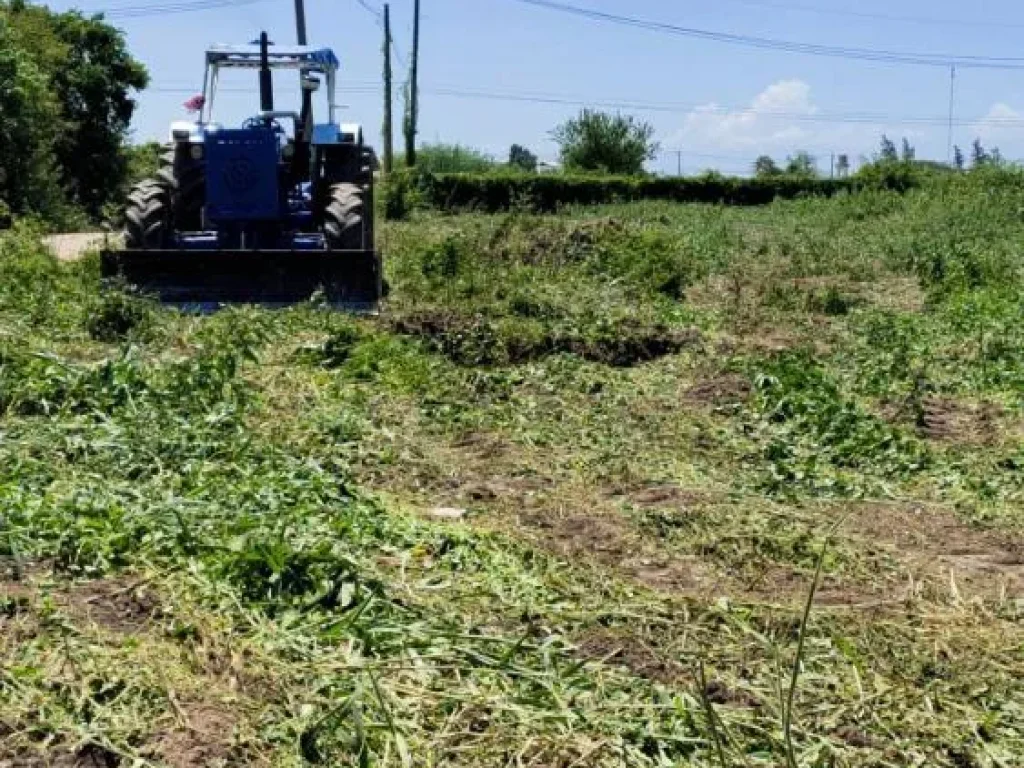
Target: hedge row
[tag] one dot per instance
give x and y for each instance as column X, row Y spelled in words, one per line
column 498, row 192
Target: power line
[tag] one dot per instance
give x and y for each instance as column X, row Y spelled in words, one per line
column 814, row 117
column 812, row 49
column 894, row 18
column 451, row 91
column 375, row 12
column 378, row 16
column 161, row 9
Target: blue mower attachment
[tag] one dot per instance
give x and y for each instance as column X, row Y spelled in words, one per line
column 206, row 279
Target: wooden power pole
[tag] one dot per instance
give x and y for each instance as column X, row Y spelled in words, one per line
column 412, row 107
column 389, row 139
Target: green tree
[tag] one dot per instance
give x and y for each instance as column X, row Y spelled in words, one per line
column 599, row 141
column 28, row 118
column 908, row 153
column 958, row 158
column 93, row 77
column 887, row 151
column 143, row 161
column 765, row 168
column 522, row 158
column 802, row 164
column 979, row 155
column 451, row 158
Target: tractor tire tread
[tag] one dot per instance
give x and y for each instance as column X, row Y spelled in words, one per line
column 348, row 218
column 147, row 219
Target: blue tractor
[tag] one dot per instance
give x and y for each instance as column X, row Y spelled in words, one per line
column 257, row 214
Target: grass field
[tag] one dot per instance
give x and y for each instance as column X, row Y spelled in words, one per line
column 562, row 503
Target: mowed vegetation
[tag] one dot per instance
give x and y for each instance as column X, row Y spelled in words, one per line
column 561, row 504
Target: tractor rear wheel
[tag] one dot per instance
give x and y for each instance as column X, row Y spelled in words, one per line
column 148, row 217
column 186, row 178
column 348, row 219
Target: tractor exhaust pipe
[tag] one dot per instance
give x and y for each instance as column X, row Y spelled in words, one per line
column 266, row 80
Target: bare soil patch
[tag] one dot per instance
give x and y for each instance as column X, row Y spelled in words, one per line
column 947, row 420
column 123, row 606
column 59, row 756
column 205, row 738
column 719, row 391
column 627, row 650
column 932, row 541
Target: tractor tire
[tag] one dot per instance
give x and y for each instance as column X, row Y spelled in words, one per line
column 148, row 216
column 348, row 219
column 186, row 178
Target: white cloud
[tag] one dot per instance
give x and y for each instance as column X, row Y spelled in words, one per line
column 779, row 121
column 772, row 121
column 1002, row 124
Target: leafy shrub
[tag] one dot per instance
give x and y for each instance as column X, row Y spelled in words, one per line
column 119, row 317
column 831, row 301
column 451, row 158
column 397, row 193
column 813, row 438
column 504, row 191
column 338, row 348
column 444, row 260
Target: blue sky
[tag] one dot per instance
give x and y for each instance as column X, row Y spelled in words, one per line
column 719, row 104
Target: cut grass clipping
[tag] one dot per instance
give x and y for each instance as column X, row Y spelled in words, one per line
column 571, row 500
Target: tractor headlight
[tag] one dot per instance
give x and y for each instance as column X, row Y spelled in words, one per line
column 196, row 151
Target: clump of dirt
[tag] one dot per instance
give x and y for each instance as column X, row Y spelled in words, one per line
column 205, row 739
column 720, row 693
column 482, row 445
column 947, row 420
column 605, row 539
column 116, row 605
column 610, row 541
column 630, row 652
column 654, row 494
column 480, row 341
column 932, row 539
column 721, row 391
column 855, row 737
column 58, row 756
column 554, row 242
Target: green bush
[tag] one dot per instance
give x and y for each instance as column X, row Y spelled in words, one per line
column 397, row 196
column 120, row 317
column 450, row 158
column 504, row 191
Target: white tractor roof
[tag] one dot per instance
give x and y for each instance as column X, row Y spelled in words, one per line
column 279, row 57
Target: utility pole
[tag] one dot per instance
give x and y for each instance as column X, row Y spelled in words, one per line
column 300, row 21
column 306, row 116
column 832, row 166
column 952, row 94
column 412, row 107
column 679, row 162
column 389, row 145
